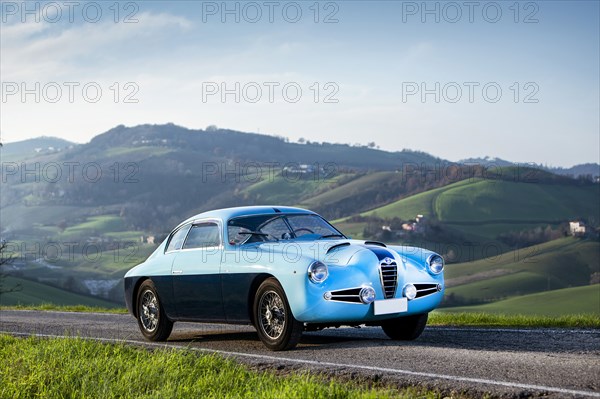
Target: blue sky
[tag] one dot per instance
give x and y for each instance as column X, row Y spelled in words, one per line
column 531, row 69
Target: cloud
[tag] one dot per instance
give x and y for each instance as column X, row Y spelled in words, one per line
column 45, row 52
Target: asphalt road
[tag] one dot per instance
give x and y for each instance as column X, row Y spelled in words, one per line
column 502, row 362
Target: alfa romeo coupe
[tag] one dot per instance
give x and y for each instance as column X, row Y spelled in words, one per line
column 284, row 270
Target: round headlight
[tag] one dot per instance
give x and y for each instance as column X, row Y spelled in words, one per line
column 317, row 272
column 410, row 291
column 435, row 263
column 367, row 295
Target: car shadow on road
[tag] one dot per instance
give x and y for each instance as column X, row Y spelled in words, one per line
column 464, row 338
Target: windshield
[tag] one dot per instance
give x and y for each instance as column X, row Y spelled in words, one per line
column 265, row 228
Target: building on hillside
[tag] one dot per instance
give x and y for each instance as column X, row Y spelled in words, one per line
column 577, row 229
column 147, row 239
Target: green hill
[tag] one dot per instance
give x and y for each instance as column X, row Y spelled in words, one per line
column 477, row 218
column 30, row 148
column 490, row 200
column 566, row 301
column 33, row 293
column 357, row 194
column 419, row 204
column 288, row 189
column 558, row 264
column 496, row 201
column 154, row 176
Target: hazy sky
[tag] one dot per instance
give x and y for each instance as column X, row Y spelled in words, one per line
column 518, row 81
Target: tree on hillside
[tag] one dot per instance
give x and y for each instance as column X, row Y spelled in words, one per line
column 5, row 260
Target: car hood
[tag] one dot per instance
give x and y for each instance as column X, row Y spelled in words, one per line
column 345, row 252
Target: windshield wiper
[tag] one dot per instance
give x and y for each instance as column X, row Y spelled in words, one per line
column 258, row 233
column 332, row 235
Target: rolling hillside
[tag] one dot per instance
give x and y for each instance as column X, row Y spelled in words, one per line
column 153, row 176
column 36, row 147
column 555, row 265
column 561, row 302
column 489, row 202
column 136, row 172
column 34, row 293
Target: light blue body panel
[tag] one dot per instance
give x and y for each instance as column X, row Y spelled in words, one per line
column 351, row 264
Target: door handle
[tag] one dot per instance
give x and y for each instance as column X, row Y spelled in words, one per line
column 177, row 271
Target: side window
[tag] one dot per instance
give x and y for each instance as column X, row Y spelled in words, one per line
column 203, row 235
column 177, row 239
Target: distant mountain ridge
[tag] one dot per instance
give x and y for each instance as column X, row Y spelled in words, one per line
column 32, row 147
column 153, row 175
column 585, row 169
column 239, row 146
column 255, row 143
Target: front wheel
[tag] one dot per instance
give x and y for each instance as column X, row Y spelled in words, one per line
column 152, row 319
column 405, row 328
column 276, row 326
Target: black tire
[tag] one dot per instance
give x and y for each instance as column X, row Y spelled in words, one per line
column 152, row 319
column 276, row 326
column 405, row 328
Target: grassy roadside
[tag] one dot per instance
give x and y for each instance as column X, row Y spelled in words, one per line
column 65, row 308
column 442, row 317
column 61, row 368
column 439, row 317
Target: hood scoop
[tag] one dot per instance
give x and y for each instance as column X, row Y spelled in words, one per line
column 379, row 244
column 342, row 244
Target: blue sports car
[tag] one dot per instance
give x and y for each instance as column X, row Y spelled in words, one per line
column 285, row 270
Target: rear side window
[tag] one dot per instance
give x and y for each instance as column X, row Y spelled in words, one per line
column 177, row 239
column 203, row 235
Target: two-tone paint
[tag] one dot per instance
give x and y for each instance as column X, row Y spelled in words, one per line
column 217, row 284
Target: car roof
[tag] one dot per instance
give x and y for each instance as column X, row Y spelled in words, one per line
column 228, row 213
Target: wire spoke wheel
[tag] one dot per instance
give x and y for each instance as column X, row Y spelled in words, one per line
column 272, row 314
column 149, row 311
column 276, row 326
column 152, row 319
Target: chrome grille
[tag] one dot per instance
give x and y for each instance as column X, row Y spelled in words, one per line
column 348, row 295
column 427, row 289
column 388, row 270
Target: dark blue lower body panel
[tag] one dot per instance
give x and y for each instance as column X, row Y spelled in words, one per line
column 211, row 298
column 164, row 286
column 198, row 297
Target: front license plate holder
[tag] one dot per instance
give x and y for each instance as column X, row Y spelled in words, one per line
column 387, row 306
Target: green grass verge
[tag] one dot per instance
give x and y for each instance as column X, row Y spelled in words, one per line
column 64, row 368
column 66, row 308
column 464, row 318
column 458, row 317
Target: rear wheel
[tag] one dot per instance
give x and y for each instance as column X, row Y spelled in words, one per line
column 276, row 326
column 152, row 319
column 405, row 328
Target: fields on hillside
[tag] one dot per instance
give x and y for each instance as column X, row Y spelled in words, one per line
column 561, row 302
column 494, row 203
column 504, row 283
column 33, row 293
column 472, row 215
